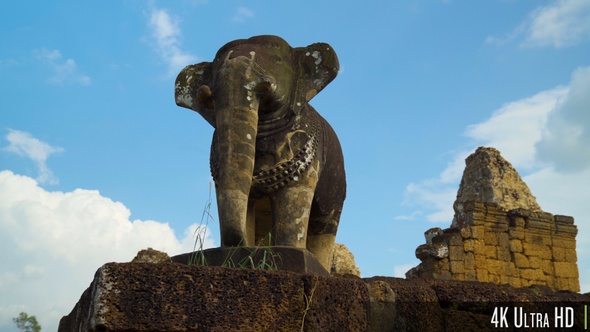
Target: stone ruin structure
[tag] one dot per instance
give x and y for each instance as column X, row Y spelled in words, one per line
column 499, row 243
column 499, row 233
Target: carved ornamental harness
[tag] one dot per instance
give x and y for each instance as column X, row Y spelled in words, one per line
column 285, row 172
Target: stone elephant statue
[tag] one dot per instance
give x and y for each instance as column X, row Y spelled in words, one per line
column 277, row 164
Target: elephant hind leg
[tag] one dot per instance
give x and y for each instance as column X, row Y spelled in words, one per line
column 290, row 215
column 322, row 236
column 322, row 246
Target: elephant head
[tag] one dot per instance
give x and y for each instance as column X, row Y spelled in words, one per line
column 255, row 81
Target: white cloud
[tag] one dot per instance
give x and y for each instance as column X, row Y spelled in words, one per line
column 53, row 242
column 64, row 71
column 166, row 34
column 399, row 271
column 517, row 126
column 432, row 195
column 546, row 138
column 565, row 140
column 25, row 145
column 243, row 14
column 562, row 23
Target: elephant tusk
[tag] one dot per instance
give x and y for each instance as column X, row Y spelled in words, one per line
column 227, row 56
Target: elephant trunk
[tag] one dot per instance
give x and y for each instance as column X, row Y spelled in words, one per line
column 236, row 93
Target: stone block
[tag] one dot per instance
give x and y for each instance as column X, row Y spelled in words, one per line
column 470, row 275
column 521, row 261
column 500, row 266
column 457, row 267
column 534, row 262
column 491, row 238
column 479, row 246
column 563, row 219
column 503, row 239
column 480, row 261
column 431, row 233
column 537, row 250
column 482, row 275
column 468, row 245
column 516, row 246
column 456, row 253
column 443, row 275
column 566, row 230
column 561, row 242
column 490, row 252
column 459, row 276
column 551, row 283
column 571, row 256
column 477, row 232
column 456, row 240
column 532, row 274
column 179, row 297
column 283, row 258
column 504, row 279
column 503, row 254
column 466, row 232
column 516, row 234
column 535, row 238
column 562, row 283
column 494, row 278
column 512, row 271
column 547, row 267
column 438, row 250
column 558, row 254
column 566, row 270
column 515, row 282
column 343, row 261
column 383, row 306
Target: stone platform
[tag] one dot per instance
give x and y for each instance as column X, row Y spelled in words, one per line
column 179, row 297
column 266, row 258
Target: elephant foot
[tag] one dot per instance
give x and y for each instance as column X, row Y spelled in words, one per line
column 233, row 229
column 321, row 246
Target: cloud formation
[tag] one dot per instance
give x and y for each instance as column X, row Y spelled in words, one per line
column 53, row 242
column 166, row 34
column 64, row 71
column 25, row 145
column 565, row 140
column 560, row 24
column 545, row 137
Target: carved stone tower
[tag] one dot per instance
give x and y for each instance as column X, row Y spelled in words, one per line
column 499, row 233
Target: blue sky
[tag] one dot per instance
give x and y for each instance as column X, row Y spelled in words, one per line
column 97, row 161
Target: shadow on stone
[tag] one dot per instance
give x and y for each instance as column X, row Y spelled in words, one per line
column 265, row 258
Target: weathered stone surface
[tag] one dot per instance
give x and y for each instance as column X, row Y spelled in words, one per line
column 489, row 178
column 343, row 261
column 178, row 297
column 267, row 258
column 274, row 159
column 150, row 255
column 500, row 234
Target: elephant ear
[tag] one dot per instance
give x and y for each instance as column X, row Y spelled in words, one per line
column 318, row 66
column 188, row 82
